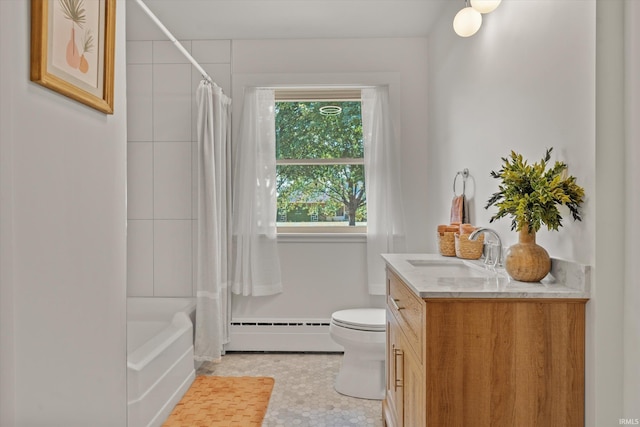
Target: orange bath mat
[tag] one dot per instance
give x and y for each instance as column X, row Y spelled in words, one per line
column 223, row 402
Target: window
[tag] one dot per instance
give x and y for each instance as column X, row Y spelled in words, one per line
column 320, row 161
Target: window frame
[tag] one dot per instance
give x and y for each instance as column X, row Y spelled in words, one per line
column 314, row 94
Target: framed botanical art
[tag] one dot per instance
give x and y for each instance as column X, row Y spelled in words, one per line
column 73, row 49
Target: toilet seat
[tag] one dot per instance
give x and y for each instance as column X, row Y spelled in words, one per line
column 361, row 319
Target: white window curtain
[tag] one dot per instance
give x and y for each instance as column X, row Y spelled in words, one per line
column 385, row 215
column 214, row 214
column 256, row 265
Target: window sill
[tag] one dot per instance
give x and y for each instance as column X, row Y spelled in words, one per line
column 322, row 237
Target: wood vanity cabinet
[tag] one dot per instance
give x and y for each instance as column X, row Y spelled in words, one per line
column 459, row 362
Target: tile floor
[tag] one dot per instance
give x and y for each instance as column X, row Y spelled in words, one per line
column 303, row 393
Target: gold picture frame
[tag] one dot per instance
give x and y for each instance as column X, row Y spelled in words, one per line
column 73, row 49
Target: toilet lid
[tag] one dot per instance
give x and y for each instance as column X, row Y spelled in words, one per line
column 362, row 319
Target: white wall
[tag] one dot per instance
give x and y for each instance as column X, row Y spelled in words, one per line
column 631, row 337
column 319, row 277
column 524, row 82
column 161, row 161
column 605, row 314
column 536, row 76
column 7, row 321
column 63, row 225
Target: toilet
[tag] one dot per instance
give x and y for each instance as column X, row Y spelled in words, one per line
column 362, row 333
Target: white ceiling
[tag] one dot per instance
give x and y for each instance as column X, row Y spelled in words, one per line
column 268, row 19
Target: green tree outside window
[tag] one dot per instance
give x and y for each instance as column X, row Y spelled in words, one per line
column 320, row 167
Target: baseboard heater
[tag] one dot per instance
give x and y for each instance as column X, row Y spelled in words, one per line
column 281, row 335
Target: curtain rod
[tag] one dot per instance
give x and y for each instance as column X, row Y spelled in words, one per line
column 175, row 41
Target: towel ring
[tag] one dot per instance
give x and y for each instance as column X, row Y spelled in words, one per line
column 465, row 174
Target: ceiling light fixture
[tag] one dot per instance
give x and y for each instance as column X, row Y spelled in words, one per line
column 485, row 6
column 467, row 21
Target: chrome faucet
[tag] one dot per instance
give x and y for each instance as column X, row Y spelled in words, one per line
column 497, row 262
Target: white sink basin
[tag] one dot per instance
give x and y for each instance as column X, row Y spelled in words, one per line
column 456, row 268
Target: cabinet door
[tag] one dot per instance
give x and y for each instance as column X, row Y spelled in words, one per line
column 405, row 400
column 503, row 362
column 405, row 397
column 413, row 385
column 393, row 404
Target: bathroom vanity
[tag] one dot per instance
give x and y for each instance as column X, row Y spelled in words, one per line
column 467, row 346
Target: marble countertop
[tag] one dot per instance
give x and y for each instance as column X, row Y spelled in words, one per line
column 565, row 280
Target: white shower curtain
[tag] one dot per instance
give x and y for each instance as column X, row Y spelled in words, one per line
column 256, row 265
column 214, row 215
column 385, row 215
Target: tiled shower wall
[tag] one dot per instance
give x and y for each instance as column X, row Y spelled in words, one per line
column 161, row 198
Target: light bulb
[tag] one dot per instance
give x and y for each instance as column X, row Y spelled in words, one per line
column 467, row 22
column 485, row 6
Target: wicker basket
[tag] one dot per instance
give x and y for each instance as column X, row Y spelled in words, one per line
column 446, row 243
column 468, row 249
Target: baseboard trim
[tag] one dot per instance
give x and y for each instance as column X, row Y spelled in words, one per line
column 281, row 338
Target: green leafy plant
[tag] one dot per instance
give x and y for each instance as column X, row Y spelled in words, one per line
column 531, row 194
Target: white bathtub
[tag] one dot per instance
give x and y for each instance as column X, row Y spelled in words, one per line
column 160, row 365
